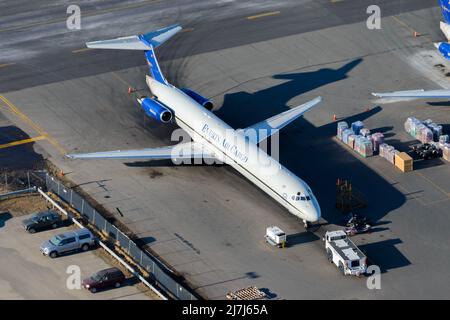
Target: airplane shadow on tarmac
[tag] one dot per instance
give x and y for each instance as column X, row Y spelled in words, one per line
column 309, row 151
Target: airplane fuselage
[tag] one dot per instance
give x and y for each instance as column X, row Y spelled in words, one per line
column 237, row 150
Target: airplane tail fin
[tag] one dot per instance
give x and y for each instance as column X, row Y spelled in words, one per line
column 445, row 9
column 146, row 42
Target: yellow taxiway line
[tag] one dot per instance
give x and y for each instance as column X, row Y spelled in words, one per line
column 33, row 125
column 20, row 142
column 262, row 15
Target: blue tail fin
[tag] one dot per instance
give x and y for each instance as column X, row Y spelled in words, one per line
column 155, row 71
column 445, row 8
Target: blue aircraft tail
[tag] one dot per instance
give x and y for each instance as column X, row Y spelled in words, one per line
column 445, row 8
column 146, row 42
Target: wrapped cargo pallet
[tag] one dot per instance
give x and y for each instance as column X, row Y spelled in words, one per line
column 411, row 124
column 358, row 139
column 341, row 126
column 388, row 152
column 443, row 139
column 345, row 134
column 404, row 162
column 446, row 152
column 364, row 147
column 436, row 130
column 351, row 141
column 364, row 132
column 425, row 135
column 377, row 139
column 357, row 126
column 391, row 154
column 383, row 150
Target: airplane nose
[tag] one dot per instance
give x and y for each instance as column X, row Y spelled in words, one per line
column 313, row 213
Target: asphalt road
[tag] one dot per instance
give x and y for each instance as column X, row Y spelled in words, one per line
column 209, row 222
column 35, row 38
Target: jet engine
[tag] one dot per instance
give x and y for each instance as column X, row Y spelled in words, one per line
column 206, row 103
column 155, row 109
column 444, row 49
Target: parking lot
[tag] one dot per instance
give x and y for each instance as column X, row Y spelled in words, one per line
column 26, row 274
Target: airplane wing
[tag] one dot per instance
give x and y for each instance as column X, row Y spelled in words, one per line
column 264, row 129
column 417, row 94
column 180, row 151
column 145, row 41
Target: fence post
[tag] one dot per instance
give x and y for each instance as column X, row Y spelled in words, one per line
column 82, row 206
column 93, row 218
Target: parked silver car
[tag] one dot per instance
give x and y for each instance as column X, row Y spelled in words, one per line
column 81, row 239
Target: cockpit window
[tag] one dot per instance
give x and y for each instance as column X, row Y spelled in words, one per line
column 299, row 197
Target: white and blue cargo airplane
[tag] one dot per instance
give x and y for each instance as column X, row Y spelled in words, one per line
column 444, row 49
column 212, row 137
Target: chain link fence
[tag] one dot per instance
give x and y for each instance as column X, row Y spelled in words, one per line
column 154, row 267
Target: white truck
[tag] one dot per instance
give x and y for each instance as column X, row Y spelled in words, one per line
column 344, row 253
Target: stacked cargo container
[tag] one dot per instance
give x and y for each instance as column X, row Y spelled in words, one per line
column 377, row 139
column 357, row 126
column 341, row 127
column 363, row 145
column 404, row 162
column 446, row 152
column 357, row 137
column 388, row 152
column 426, row 131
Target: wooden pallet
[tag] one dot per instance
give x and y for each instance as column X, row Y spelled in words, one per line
column 250, row 293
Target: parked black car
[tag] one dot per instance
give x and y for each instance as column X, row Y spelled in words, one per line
column 106, row 278
column 41, row 221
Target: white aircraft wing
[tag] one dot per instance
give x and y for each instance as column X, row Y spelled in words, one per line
column 418, row 94
column 268, row 127
column 145, row 41
column 180, row 151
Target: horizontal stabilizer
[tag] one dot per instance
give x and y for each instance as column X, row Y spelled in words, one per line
column 137, row 42
column 268, row 127
column 417, row 94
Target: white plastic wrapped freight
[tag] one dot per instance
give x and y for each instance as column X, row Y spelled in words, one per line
column 341, row 126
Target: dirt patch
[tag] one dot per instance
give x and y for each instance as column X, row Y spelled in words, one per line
column 23, row 204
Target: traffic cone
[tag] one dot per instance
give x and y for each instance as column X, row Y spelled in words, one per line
column 61, row 173
column 416, row 34
column 130, row 90
column 367, row 109
column 334, row 117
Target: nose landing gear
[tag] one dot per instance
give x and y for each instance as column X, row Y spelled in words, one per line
column 306, row 224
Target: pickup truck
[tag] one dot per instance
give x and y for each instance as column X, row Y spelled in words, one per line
column 81, row 239
column 344, row 253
